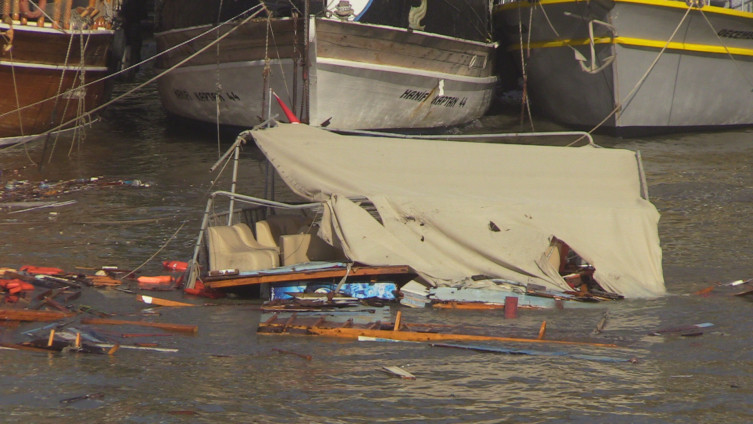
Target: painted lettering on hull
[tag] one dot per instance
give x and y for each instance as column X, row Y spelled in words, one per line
column 445, row 101
column 205, row 96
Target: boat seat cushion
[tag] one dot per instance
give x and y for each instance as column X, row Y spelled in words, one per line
column 268, row 231
column 234, row 247
column 300, row 248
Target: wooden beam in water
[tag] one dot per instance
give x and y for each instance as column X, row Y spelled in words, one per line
column 32, row 315
column 353, row 333
column 170, row 327
column 161, row 302
column 357, row 271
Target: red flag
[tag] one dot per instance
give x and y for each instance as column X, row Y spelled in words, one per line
column 288, row 113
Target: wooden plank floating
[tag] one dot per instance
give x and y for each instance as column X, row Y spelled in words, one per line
column 399, row 372
column 184, row 328
column 415, row 336
column 32, row 315
column 356, row 271
column 161, row 302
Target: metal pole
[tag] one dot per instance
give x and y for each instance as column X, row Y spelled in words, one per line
column 233, row 184
column 193, row 265
column 269, row 183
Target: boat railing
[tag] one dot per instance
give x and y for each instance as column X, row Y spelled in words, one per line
column 580, row 135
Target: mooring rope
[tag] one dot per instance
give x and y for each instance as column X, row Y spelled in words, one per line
column 79, row 132
column 217, row 84
column 525, row 104
column 164, row 245
column 726, row 49
column 640, row 82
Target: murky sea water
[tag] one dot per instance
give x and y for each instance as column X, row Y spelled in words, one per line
column 701, row 183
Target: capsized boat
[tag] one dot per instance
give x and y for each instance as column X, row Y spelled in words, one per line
column 52, row 64
column 633, row 66
column 451, row 212
column 352, row 64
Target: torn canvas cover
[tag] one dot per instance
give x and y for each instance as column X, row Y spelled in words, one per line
column 452, row 210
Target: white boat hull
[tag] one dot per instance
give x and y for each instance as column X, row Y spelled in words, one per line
column 699, row 79
column 419, row 81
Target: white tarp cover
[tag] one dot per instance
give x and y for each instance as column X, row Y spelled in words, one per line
column 452, row 210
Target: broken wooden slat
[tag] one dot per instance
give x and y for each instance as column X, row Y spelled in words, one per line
column 399, row 372
column 132, row 335
column 184, row 328
column 542, row 331
column 272, row 319
column 55, row 304
column 32, row 315
column 319, row 322
column 103, row 281
column 290, row 321
column 161, row 302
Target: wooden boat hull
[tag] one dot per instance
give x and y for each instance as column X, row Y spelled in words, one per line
column 40, row 74
column 699, row 78
column 360, row 76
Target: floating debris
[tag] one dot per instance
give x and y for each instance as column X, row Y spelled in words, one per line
column 84, row 397
column 601, row 324
column 161, row 302
column 23, row 190
column 399, row 372
column 686, row 330
column 300, row 355
column 507, row 351
column 181, row 328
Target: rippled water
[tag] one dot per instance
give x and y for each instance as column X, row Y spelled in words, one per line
column 701, row 183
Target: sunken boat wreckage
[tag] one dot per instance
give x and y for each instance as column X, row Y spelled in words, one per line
column 532, row 221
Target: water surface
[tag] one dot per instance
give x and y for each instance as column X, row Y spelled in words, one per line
column 701, row 184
